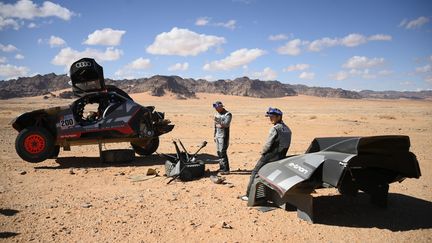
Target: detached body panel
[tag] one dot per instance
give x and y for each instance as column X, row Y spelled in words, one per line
column 349, row 164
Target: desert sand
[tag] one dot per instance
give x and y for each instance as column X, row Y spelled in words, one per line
column 76, row 198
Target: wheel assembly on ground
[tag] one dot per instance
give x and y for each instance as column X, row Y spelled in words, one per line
column 148, row 148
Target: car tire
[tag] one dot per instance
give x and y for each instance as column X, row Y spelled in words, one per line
column 34, row 144
column 148, row 149
column 117, row 155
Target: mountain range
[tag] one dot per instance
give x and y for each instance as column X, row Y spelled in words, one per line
column 159, row 85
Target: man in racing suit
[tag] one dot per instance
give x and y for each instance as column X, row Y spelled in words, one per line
column 276, row 146
column 222, row 121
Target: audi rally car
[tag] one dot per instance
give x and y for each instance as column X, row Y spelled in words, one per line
column 101, row 114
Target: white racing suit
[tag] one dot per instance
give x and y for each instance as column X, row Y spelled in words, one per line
column 221, row 135
column 275, row 148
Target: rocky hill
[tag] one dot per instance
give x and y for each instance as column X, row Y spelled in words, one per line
column 325, row 92
column 158, row 85
column 33, row 86
column 187, row 88
column 424, row 94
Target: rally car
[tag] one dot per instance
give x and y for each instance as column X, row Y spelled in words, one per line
column 101, row 114
column 350, row 164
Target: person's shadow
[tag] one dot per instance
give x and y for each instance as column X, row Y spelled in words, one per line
column 96, row 162
column 402, row 214
column 8, row 212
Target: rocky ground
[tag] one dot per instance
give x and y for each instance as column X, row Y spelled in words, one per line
column 78, row 198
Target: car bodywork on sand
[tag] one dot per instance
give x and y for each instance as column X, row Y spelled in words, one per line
column 349, row 164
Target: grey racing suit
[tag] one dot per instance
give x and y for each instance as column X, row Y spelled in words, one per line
column 275, row 148
column 221, row 135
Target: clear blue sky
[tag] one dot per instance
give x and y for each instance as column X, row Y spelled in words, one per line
column 355, row 45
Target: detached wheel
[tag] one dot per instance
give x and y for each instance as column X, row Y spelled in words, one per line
column 148, row 148
column 34, row 144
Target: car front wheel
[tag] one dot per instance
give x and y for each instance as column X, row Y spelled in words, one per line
column 34, row 144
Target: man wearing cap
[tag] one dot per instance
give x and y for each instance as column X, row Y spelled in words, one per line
column 222, row 121
column 276, row 146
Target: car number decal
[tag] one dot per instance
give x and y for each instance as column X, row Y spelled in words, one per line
column 67, row 122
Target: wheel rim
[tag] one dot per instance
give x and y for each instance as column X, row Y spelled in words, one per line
column 34, row 143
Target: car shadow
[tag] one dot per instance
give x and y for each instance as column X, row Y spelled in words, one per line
column 95, row 162
column 403, row 212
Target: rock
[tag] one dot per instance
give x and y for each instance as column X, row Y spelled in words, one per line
column 71, row 171
column 217, row 179
column 66, row 95
column 23, row 172
column 86, row 205
column 119, row 174
column 151, row 171
column 226, row 225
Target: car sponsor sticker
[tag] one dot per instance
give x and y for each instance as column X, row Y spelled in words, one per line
column 298, row 168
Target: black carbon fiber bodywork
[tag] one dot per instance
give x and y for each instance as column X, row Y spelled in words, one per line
column 350, row 164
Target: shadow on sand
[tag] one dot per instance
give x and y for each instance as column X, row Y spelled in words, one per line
column 8, row 212
column 95, row 162
column 5, row 235
column 402, row 214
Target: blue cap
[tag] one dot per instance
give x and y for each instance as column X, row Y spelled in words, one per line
column 274, row 112
column 217, row 104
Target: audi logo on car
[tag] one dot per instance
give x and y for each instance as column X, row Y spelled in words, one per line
column 83, row 64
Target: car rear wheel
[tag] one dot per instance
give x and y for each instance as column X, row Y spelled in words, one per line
column 34, row 144
column 147, row 148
